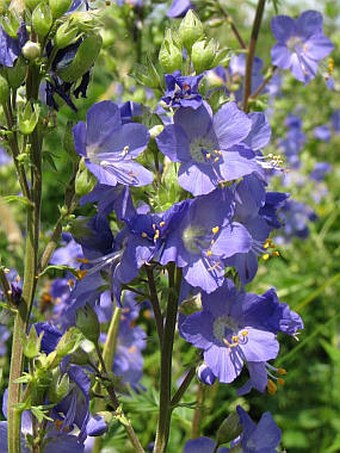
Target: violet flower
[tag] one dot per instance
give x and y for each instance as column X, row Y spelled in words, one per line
column 179, row 8
column 110, row 147
column 209, row 147
column 229, row 332
column 182, row 91
column 301, row 44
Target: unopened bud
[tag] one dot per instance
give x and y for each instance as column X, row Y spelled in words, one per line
column 203, row 54
column 84, row 59
column 31, row 50
column 229, row 429
column 87, row 322
column 66, row 34
column 69, row 342
column 17, row 74
column 190, row 29
column 156, row 130
column 59, row 388
column 28, row 119
column 84, row 181
column 170, row 55
column 32, row 4
column 42, row 20
column 32, row 344
column 4, row 90
column 59, row 7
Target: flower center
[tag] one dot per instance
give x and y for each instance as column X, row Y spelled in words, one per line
column 295, row 43
column 194, row 239
column 201, row 148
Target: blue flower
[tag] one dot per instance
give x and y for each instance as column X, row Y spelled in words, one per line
column 229, row 333
column 179, row 8
column 210, row 148
column 202, row 236
column 182, row 91
column 110, row 147
column 10, row 48
column 301, row 44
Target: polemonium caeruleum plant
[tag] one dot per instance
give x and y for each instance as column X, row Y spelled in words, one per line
column 167, row 211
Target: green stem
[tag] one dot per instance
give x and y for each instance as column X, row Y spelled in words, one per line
column 183, row 387
column 196, row 423
column 232, row 26
column 116, row 404
column 251, row 52
column 30, row 271
column 165, row 409
column 155, row 302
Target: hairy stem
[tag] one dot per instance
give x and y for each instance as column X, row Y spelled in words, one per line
column 155, row 302
column 30, row 269
column 165, row 408
column 251, row 52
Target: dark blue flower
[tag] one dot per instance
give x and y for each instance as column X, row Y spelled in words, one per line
column 110, row 147
column 182, row 91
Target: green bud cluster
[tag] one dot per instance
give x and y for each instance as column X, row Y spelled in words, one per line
column 204, row 52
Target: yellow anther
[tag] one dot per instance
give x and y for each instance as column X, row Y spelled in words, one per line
column 281, row 371
column 212, row 242
column 266, row 257
column 215, row 229
column 271, row 387
column 156, row 236
column 244, row 333
column 144, row 235
column 208, row 155
column 330, row 66
column 235, row 338
column 216, row 159
column 6, row 270
column 209, row 252
column 276, row 253
column 83, row 260
column 281, row 381
column 81, row 273
column 154, row 226
column 70, row 283
column 162, row 224
column 267, row 244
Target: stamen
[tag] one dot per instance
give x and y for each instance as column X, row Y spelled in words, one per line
column 162, row 224
column 271, row 387
column 144, row 235
column 215, row 229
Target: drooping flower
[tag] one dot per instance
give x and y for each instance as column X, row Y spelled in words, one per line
column 209, row 147
column 301, row 44
column 229, row 332
column 182, row 91
column 110, row 147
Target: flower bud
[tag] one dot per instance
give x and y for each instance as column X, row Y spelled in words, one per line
column 4, row 90
column 28, row 119
column 12, row 23
column 203, row 54
column 84, row 181
column 84, row 59
column 32, row 4
column 156, row 130
column 42, row 20
column 32, row 344
column 229, row 429
column 59, row 388
column 87, row 322
column 66, row 34
column 4, row 4
column 31, row 50
column 170, row 55
column 17, row 74
column 59, row 7
column 190, row 29
column 69, row 342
